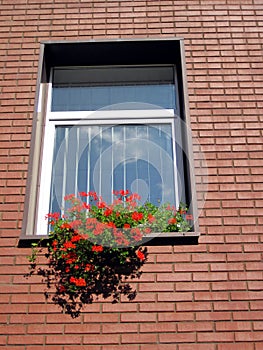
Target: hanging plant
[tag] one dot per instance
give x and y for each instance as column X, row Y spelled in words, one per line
column 95, row 247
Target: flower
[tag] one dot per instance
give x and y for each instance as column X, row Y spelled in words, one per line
column 69, row 245
column 151, row 218
column 111, row 224
column 88, row 267
column 69, row 197
column 172, row 221
column 108, row 212
column 72, row 279
column 83, row 194
column 101, row 205
column 97, row 248
column 140, row 255
column 137, row 216
column 80, row 282
column 76, row 238
column 65, row 226
column 54, row 243
column 86, row 206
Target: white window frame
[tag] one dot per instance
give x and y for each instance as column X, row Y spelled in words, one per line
column 102, row 117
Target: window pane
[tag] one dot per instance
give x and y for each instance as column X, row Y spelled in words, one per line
column 95, row 88
column 102, row 158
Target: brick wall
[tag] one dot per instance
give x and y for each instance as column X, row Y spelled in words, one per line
column 205, row 297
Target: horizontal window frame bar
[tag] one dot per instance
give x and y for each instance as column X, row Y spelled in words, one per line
column 118, row 115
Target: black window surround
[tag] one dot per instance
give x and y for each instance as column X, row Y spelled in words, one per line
column 168, row 51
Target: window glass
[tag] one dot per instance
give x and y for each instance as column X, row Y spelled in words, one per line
column 106, row 157
column 83, row 89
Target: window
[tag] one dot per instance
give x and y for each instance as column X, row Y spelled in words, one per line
column 112, row 118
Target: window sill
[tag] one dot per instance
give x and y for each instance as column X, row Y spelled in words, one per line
column 151, row 239
column 171, row 238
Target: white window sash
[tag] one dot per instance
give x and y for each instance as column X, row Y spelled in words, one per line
column 100, row 117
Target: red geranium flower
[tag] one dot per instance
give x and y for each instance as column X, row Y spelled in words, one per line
column 69, row 245
column 101, row 205
column 76, row 238
column 93, row 195
column 69, row 196
column 137, row 216
column 54, row 243
column 151, row 218
column 65, row 226
column 86, row 206
column 83, row 194
column 111, row 224
column 88, row 267
column 80, row 282
column 172, row 221
column 97, row 248
column 72, row 279
column 108, row 212
column 140, row 255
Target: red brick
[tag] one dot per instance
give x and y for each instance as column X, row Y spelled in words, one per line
column 215, row 337
column 177, row 338
column 247, row 295
column 233, row 326
column 115, row 347
column 63, row 339
column 175, row 296
column 202, row 346
column 25, row 339
column 112, row 328
column 229, row 285
column 175, row 316
column 138, row 317
column 154, row 307
column 139, row 338
column 45, row 329
column 190, row 286
column 249, row 336
column 200, row 296
column 195, row 326
column 238, row 346
column 173, row 277
column 12, row 329
column 101, row 339
column 156, row 287
column 247, row 315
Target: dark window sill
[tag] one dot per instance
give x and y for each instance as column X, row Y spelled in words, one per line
column 171, row 238
column 152, row 239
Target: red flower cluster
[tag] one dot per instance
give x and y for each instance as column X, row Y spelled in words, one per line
column 69, row 245
column 79, row 282
column 172, row 221
column 65, row 226
column 137, row 216
column 89, row 267
column 140, row 255
column 70, row 258
column 121, row 193
column 97, row 248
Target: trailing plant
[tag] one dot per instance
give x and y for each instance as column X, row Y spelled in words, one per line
column 93, row 247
